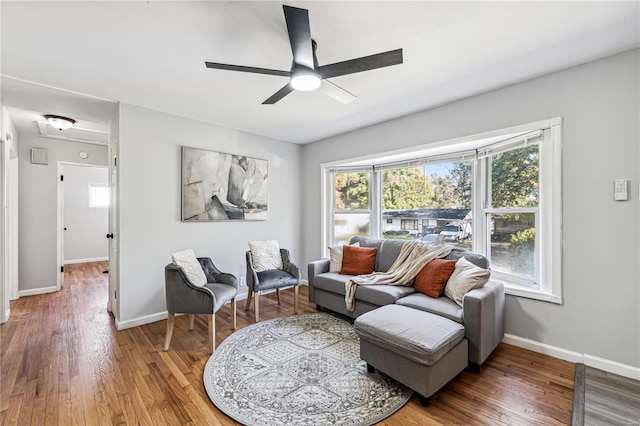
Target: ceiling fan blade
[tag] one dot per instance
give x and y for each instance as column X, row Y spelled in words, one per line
column 242, row 68
column 299, row 35
column 366, row 63
column 336, row 92
column 279, row 95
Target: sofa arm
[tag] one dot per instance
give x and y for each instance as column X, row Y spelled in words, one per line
column 316, row 268
column 483, row 313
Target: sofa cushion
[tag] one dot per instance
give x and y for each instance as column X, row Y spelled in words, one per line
column 432, row 279
column 335, row 257
column 378, row 295
column 466, row 277
column 413, row 334
column 475, row 258
column 442, row 306
column 389, row 252
column 358, row 260
column 368, row 242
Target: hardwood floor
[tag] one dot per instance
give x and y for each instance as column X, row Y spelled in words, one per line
column 610, row 399
column 63, row 362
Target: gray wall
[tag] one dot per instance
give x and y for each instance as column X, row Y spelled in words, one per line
column 84, row 238
column 150, row 227
column 38, row 206
column 599, row 103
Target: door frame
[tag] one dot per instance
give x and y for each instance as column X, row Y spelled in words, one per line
column 4, row 284
column 60, row 217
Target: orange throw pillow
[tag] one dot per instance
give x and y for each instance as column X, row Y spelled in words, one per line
column 432, row 279
column 358, row 260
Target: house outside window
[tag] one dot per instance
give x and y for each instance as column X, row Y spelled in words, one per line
column 501, row 195
column 410, row 224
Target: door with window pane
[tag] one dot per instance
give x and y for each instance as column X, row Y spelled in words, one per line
column 351, row 205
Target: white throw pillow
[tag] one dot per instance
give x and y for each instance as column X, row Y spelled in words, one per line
column 266, row 255
column 335, row 257
column 466, row 276
column 186, row 259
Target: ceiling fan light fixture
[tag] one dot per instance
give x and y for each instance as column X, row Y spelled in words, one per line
column 305, row 79
column 59, row 122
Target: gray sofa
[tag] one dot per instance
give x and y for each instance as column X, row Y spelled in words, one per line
column 481, row 314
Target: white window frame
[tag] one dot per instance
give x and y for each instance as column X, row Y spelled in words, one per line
column 331, row 211
column 92, row 203
column 548, row 213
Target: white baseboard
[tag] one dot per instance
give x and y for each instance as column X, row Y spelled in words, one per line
column 36, row 291
column 7, row 314
column 575, row 357
column 612, row 367
column 135, row 322
column 90, row 259
column 158, row 316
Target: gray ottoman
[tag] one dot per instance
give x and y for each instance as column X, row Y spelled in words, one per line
column 420, row 350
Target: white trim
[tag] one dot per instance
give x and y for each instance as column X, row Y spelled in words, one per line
column 90, row 259
column 135, row 322
column 58, row 88
column 60, row 231
column 36, row 291
column 60, row 225
column 523, row 128
column 4, row 282
column 612, row 367
column 159, row 316
column 574, row 357
column 519, row 291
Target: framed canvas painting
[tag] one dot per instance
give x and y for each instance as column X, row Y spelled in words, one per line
column 221, row 186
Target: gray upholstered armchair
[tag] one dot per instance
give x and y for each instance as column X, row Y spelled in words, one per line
column 272, row 279
column 185, row 298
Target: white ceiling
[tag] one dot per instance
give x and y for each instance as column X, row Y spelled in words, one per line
column 152, row 54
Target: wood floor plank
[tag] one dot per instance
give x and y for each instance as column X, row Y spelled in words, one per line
column 64, row 363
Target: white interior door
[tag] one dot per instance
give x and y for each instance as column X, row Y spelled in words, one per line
column 113, row 228
column 60, row 230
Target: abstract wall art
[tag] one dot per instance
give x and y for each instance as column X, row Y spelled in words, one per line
column 221, row 186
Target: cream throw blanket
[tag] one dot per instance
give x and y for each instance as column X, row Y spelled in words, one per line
column 412, row 258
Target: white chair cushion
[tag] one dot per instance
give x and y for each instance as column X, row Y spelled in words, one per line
column 186, row 259
column 265, row 255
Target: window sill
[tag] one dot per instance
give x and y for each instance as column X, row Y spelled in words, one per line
column 529, row 293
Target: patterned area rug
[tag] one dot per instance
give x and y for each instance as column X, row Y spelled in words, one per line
column 299, row 370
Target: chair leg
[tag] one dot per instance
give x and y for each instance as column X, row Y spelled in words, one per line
column 212, row 332
column 167, row 338
column 257, row 304
column 192, row 319
column 295, row 298
column 233, row 313
column 249, row 296
column 278, row 294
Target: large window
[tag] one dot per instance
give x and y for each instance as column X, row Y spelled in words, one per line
column 498, row 195
column 512, row 212
column 351, row 212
